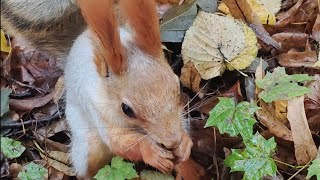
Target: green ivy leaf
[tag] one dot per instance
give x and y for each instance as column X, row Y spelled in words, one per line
column 33, row 171
column 5, row 100
column 255, row 160
column 119, row 170
column 154, row 175
column 280, row 86
column 314, row 169
column 233, row 119
column 11, row 148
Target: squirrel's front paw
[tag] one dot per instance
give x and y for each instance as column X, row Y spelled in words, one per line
column 158, row 157
column 182, row 152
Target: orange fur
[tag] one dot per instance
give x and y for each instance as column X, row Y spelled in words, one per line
column 99, row 15
column 142, row 18
column 99, row 154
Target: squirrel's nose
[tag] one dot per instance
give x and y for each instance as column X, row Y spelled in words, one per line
column 173, row 141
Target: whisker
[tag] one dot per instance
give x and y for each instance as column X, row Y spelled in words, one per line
column 136, row 142
column 196, row 94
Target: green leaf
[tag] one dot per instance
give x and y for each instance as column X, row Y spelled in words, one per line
column 255, row 161
column 11, row 148
column 119, row 170
column 280, row 86
column 233, row 119
column 314, row 169
column 5, row 100
column 33, row 172
column 154, row 175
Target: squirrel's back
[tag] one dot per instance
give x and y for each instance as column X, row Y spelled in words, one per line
column 47, row 25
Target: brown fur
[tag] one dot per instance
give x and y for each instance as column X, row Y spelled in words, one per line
column 100, row 18
column 54, row 31
column 142, row 18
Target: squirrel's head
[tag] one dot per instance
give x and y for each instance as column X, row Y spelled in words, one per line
column 142, row 91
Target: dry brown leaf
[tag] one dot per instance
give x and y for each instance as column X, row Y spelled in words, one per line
column 52, row 129
column 29, row 104
column 55, row 174
column 60, row 156
column 298, row 59
column 312, row 104
column 26, row 77
column 289, row 40
column 275, row 126
column 289, row 14
column 305, row 148
column 316, row 29
column 302, row 13
column 59, row 90
column 190, row 77
column 14, row 169
column 68, row 170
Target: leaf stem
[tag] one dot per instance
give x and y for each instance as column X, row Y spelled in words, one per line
column 292, row 166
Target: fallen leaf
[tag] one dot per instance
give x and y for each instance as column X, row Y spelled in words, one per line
column 312, row 102
column 29, row 104
column 52, row 129
column 240, row 9
column 4, row 45
column 190, row 77
column 281, row 110
column 68, row 170
column 55, row 174
column 305, row 148
column 59, row 90
column 26, row 77
column 273, row 6
column 232, row 45
column 275, row 126
column 280, row 86
column 265, row 10
column 316, row 29
column 298, row 59
column 15, row 168
column 289, row 40
column 290, row 13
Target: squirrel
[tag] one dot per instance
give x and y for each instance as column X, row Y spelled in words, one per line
column 122, row 97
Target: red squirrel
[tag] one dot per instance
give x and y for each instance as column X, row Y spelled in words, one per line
column 122, row 97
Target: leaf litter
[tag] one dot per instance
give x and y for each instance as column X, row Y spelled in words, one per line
column 285, row 36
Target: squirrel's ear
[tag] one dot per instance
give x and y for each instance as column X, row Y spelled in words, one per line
column 99, row 15
column 144, row 22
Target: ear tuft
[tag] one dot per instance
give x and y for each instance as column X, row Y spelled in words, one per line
column 99, row 15
column 143, row 19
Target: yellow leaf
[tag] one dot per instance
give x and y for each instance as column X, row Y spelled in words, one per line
column 265, row 9
column 214, row 43
column 265, row 16
column 223, row 8
column 4, row 44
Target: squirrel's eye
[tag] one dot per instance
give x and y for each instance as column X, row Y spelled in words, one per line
column 127, row 110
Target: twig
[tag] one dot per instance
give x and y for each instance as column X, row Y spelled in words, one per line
column 27, row 85
column 30, row 121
